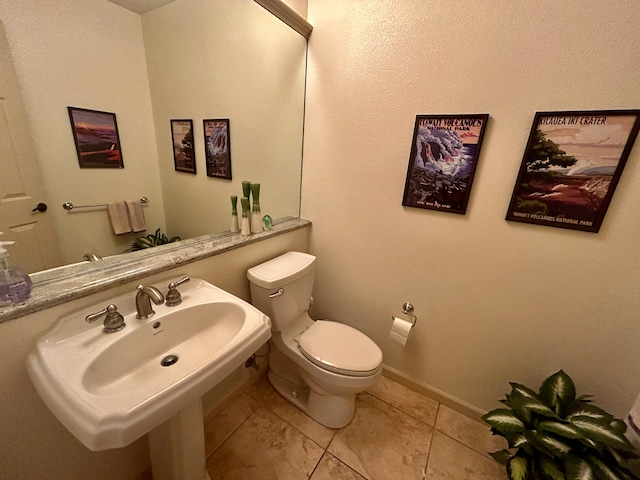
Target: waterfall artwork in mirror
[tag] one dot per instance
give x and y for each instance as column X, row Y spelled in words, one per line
column 216, row 145
column 96, row 137
column 143, row 68
column 184, row 155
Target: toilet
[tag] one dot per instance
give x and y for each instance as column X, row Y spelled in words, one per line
column 318, row 365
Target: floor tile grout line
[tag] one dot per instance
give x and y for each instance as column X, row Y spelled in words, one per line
column 426, row 463
column 403, row 411
column 327, row 452
column 300, row 431
column 484, row 454
column 253, row 410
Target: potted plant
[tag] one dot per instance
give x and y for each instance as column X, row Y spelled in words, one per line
column 552, row 434
column 152, row 240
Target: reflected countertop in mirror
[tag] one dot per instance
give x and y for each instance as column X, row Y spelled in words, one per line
column 61, row 285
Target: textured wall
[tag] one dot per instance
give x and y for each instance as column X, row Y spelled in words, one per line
column 496, row 301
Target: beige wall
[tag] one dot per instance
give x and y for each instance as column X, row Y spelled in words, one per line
column 34, row 444
column 496, row 301
column 87, row 54
column 234, row 60
column 299, row 6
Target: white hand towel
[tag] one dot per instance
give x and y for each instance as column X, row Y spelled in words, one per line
column 136, row 216
column 119, row 217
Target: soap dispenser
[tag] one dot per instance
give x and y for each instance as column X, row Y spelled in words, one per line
column 15, row 284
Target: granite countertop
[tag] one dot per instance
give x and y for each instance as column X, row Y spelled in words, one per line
column 59, row 285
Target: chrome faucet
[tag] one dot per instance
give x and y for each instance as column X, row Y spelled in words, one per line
column 143, row 301
column 92, row 257
column 113, row 320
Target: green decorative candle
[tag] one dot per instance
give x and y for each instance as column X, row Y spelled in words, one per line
column 234, row 204
column 246, row 189
column 245, row 206
column 255, row 192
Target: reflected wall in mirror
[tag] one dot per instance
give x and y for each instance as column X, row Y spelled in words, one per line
column 187, row 59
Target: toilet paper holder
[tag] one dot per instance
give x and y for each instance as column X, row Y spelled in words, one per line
column 407, row 309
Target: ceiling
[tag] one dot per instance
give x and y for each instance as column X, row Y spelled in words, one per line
column 141, row 6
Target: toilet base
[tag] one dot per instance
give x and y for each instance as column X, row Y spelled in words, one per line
column 332, row 411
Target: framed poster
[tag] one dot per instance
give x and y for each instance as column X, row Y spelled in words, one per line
column 96, row 137
column 443, row 160
column 217, row 146
column 571, row 167
column 184, row 155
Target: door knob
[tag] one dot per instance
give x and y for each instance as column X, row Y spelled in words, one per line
column 41, row 207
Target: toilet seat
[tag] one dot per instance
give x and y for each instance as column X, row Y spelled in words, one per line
column 340, row 348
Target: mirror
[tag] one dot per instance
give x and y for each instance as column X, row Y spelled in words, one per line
column 185, row 60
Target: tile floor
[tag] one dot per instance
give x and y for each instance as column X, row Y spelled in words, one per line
column 396, row 434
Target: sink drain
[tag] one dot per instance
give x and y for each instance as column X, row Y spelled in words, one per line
column 169, row 360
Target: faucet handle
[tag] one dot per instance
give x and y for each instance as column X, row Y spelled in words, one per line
column 113, row 321
column 173, row 296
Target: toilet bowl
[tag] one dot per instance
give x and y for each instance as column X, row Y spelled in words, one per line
column 318, row 365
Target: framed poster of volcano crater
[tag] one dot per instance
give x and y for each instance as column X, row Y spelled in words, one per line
column 443, row 160
column 571, row 167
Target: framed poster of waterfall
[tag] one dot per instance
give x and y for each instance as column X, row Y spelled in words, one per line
column 443, row 160
column 217, row 147
column 571, row 166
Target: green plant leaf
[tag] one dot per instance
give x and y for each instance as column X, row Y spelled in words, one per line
column 515, row 439
column 578, row 469
column 523, row 391
column 524, row 407
column 618, row 425
column 601, row 469
column 562, row 429
column 584, row 398
column 621, row 456
column 501, row 456
column 504, row 420
column 535, row 445
column 588, row 410
column 152, row 240
column 520, row 410
column 550, row 469
column 554, row 445
column 587, row 442
column 518, row 468
column 600, row 431
column 558, row 391
column 626, row 475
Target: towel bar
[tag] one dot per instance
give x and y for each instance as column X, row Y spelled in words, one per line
column 71, row 206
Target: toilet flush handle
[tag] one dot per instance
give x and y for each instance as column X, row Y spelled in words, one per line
column 277, row 293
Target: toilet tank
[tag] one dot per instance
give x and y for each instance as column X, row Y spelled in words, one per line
column 282, row 286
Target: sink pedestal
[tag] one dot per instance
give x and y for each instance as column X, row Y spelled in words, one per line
column 177, row 446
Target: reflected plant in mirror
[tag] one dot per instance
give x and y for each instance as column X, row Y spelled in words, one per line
column 149, row 69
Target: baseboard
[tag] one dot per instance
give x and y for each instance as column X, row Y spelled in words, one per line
column 433, row 393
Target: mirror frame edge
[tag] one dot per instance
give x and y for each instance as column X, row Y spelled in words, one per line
column 289, row 16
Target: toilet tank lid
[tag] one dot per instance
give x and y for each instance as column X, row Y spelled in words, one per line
column 281, row 270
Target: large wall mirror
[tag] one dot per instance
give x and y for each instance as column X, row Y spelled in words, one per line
column 189, row 59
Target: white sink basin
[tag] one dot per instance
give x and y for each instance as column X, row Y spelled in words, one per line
column 110, row 389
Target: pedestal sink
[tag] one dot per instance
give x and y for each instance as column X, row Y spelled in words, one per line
column 110, row 389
